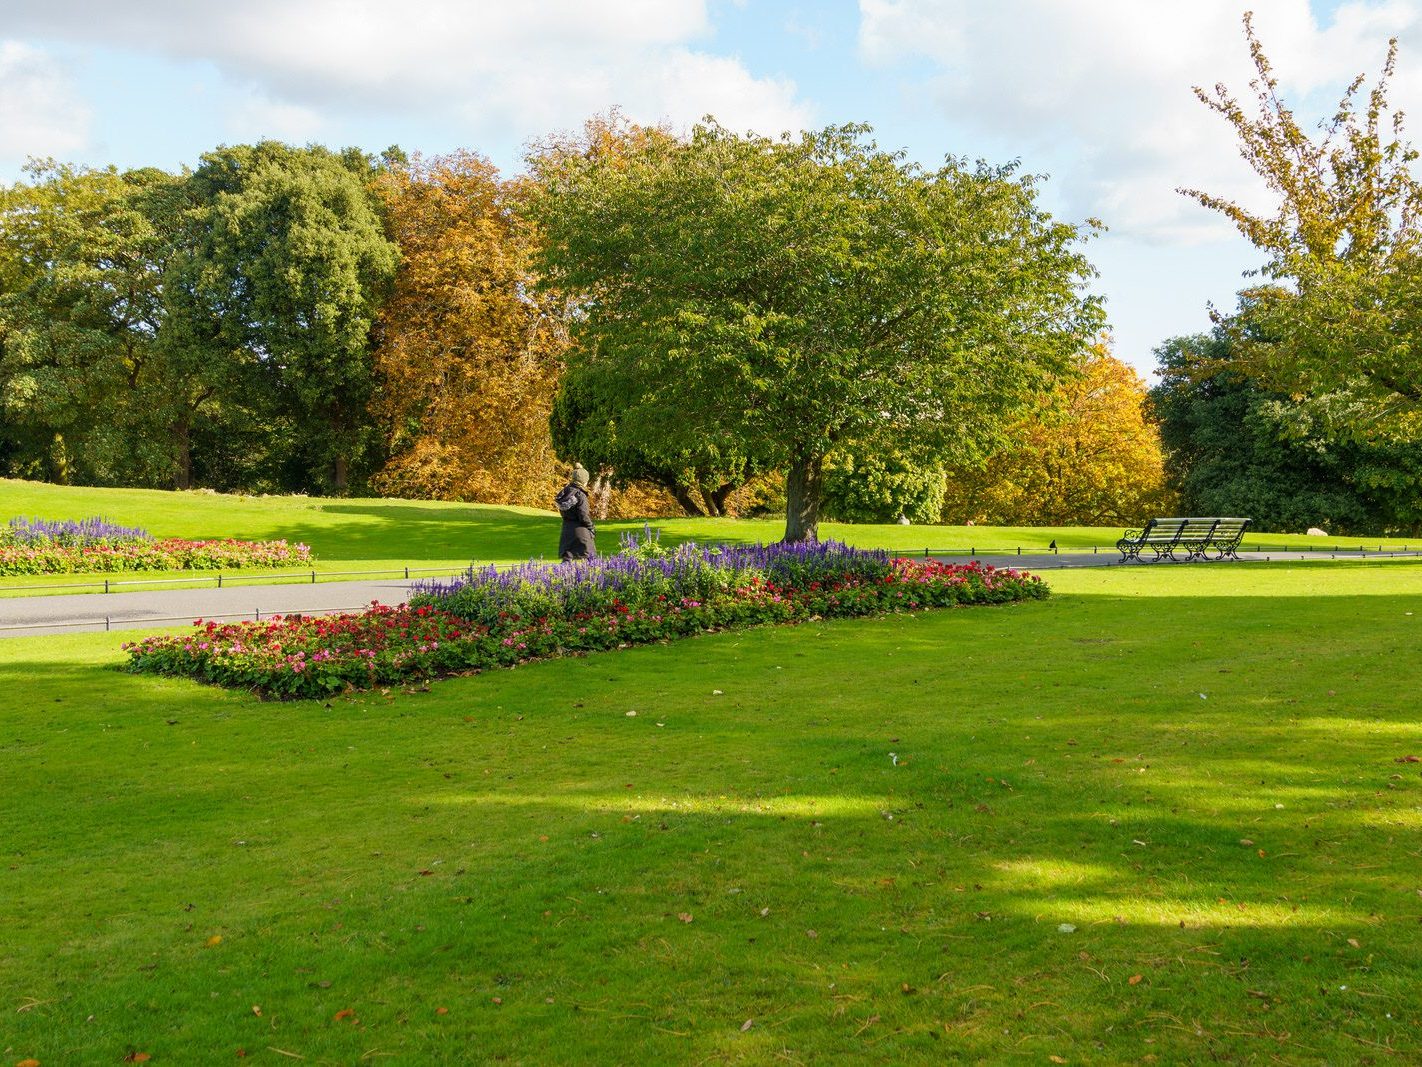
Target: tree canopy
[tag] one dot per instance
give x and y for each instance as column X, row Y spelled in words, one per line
column 806, row 294
column 1087, row 454
column 1344, row 321
column 467, row 358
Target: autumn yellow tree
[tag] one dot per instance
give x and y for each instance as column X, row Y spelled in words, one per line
column 1088, row 455
column 467, row 357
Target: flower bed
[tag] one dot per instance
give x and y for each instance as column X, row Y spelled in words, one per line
column 492, row 618
column 38, row 546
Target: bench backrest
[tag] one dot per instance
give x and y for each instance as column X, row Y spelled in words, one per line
column 1162, row 531
column 1193, row 530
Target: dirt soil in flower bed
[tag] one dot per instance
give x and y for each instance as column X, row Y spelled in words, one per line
column 306, row 657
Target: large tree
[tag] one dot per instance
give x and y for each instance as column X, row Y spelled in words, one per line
column 804, row 294
column 85, row 373
column 1237, row 448
column 1087, row 454
column 284, row 262
column 467, row 357
column 1344, row 324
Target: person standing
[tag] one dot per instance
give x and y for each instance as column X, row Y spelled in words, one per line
column 578, row 537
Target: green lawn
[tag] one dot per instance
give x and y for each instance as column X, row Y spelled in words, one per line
column 512, row 867
column 361, row 535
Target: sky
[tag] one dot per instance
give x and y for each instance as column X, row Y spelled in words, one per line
column 1095, row 95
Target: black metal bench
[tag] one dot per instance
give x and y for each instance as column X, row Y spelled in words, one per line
column 1183, row 540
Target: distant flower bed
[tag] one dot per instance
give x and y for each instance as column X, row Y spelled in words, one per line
column 70, row 532
column 490, row 618
column 40, row 546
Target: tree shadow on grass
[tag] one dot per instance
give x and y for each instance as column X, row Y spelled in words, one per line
column 519, row 832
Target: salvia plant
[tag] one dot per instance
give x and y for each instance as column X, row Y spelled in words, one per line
column 70, row 532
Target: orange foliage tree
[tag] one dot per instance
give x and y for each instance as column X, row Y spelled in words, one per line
column 1088, row 455
column 467, row 357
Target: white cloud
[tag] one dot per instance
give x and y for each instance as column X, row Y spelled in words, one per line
column 40, row 114
column 1104, row 86
column 256, row 117
column 500, row 68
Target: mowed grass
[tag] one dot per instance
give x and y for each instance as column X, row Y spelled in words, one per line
column 351, row 535
column 1195, row 767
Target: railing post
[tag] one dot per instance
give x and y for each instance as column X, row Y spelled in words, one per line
column 313, row 577
column 219, row 579
column 106, row 585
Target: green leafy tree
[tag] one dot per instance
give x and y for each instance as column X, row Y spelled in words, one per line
column 882, row 486
column 1234, row 448
column 1344, row 328
column 804, row 295
column 588, row 425
column 283, row 263
column 86, row 382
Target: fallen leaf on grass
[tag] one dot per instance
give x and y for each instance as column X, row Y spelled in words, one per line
column 812, row 934
column 441, row 1011
column 747, row 1025
column 256, row 1009
column 137, row 1057
column 1354, row 942
column 1057, row 1059
column 345, row 1013
column 498, row 1000
column 684, row 916
column 214, row 941
column 1408, row 759
column 28, row 1063
column 1135, row 979
column 1246, row 842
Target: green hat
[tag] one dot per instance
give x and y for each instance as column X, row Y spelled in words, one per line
column 580, row 475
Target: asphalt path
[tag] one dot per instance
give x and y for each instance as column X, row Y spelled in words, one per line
column 29, row 616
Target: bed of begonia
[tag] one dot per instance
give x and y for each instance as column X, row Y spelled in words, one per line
column 39, row 546
column 493, row 618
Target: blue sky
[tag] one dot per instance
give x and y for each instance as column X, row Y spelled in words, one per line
column 1094, row 93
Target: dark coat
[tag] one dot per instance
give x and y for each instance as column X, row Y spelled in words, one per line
column 577, row 540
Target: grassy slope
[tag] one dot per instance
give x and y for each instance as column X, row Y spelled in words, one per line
column 516, row 849
column 354, row 534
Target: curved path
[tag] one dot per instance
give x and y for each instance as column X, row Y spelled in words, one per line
column 23, row 616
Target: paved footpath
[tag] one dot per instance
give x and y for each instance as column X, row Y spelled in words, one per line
column 29, row 616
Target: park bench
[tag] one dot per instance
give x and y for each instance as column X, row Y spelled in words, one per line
column 1183, row 540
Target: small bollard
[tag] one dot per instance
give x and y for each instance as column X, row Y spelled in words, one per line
column 972, row 551
column 106, row 585
column 407, row 570
column 106, row 624
column 313, row 577
column 219, row 581
column 1019, row 550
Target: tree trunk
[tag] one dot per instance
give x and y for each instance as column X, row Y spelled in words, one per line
column 683, row 497
column 341, row 474
column 716, row 498
column 804, row 483
column 182, row 456
column 601, row 493
column 58, row 461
